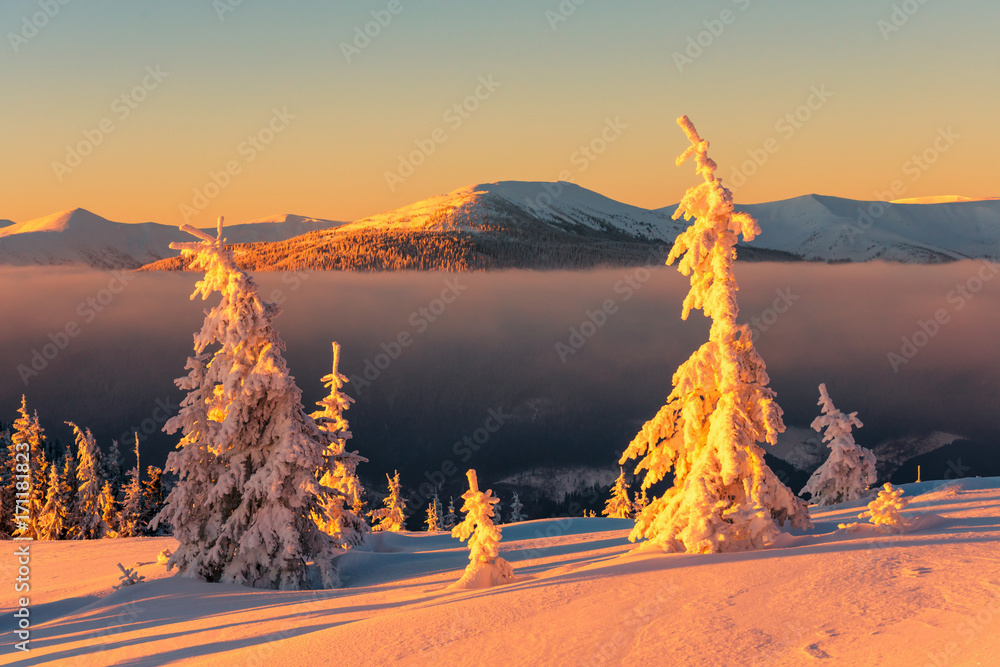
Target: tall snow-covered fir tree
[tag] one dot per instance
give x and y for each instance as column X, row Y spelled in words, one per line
column 130, row 522
column 55, row 512
column 392, row 517
column 486, row 568
column 88, row 516
column 342, row 490
column 71, row 528
column 27, row 431
column 850, row 469
column 8, row 485
column 250, row 458
column 618, row 505
column 724, row 496
column 516, row 513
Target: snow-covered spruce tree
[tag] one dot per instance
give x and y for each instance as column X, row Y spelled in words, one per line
column 88, row 514
column 153, row 501
column 71, row 527
column 450, row 518
column 109, row 510
column 486, row 568
column 850, row 469
column 433, row 515
column 113, row 468
column 392, row 517
column 618, row 505
column 8, row 486
column 249, row 460
column 497, row 514
column 724, row 496
column 131, row 523
column 340, row 481
column 516, row 513
column 27, row 431
column 884, row 511
column 55, row 512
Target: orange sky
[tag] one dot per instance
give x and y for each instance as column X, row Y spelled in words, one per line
column 332, row 119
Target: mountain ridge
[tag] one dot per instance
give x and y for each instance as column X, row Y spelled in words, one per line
column 526, row 224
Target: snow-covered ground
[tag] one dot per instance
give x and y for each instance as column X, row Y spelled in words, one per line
column 930, row 596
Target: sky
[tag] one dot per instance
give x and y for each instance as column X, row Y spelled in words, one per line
column 182, row 111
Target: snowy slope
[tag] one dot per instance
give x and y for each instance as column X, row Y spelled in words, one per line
column 563, row 206
column 930, row 596
column 817, row 227
column 78, row 236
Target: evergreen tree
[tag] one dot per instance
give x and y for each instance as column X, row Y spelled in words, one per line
column 392, row 517
column 486, row 568
column 131, row 522
column 619, row 506
column 724, row 496
column 28, row 437
column 250, row 458
column 113, row 469
column 516, row 514
column 89, row 510
column 153, row 500
column 71, row 526
column 450, row 519
column 434, row 515
column 850, row 468
column 641, row 501
column 497, row 514
column 109, row 510
column 359, row 504
column 885, row 511
column 8, row 480
column 342, row 490
column 55, row 512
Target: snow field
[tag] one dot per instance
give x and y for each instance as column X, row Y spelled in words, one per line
column 930, row 596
